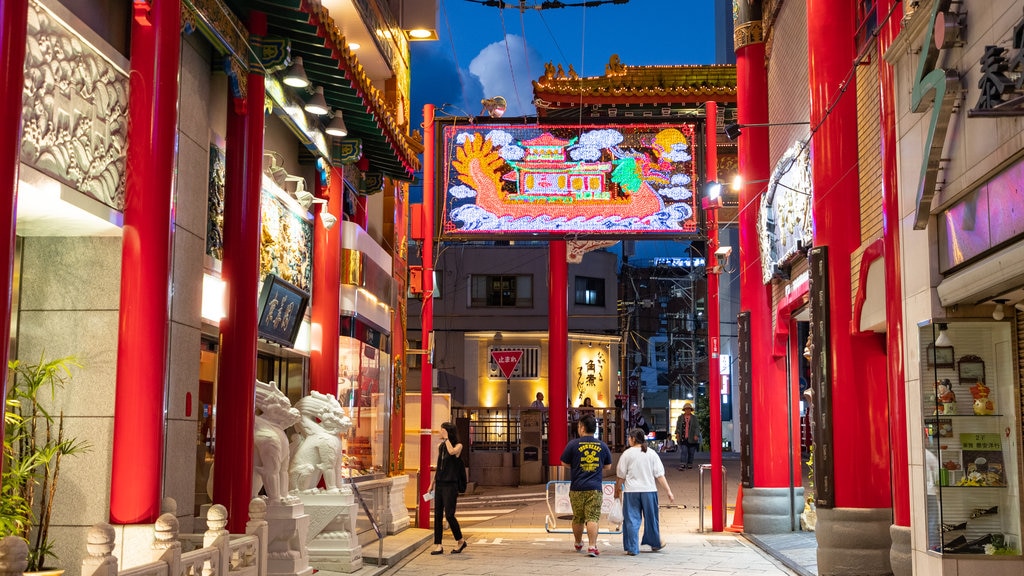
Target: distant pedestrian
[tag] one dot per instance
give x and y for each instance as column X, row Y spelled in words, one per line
column 539, row 402
column 446, row 496
column 588, row 458
column 687, row 436
column 637, row 477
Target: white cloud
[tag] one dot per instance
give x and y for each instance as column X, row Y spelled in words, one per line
column 491, row 68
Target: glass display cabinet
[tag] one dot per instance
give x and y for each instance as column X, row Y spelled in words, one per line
column 972, row 440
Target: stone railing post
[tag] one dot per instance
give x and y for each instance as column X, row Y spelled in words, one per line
column 217, row 536
column 257, row 526
column 99, row 544
column 166, row 547
column 13, row 556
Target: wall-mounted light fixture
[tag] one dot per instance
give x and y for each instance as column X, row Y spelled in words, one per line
column 336, row 127
column 712, row 196
column 317, row 104
column 328, row 219
column 733, row 131
column 295, row 76
column 494, row 107
column 999, row 312
column 943, row 338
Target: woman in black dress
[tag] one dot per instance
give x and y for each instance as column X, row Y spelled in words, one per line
column 445, row 487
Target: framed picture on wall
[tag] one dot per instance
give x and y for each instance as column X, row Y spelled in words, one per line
column 971, row 369
column 941, row 356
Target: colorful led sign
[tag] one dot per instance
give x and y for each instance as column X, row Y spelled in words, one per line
column 529, row 180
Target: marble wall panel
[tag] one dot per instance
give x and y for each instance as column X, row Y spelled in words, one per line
column 71, row 273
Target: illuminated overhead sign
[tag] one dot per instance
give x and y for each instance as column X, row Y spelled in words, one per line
column 529, row 180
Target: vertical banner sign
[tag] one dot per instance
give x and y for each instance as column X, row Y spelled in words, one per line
column 821, row 379
column 746, row 406
column 714, row 347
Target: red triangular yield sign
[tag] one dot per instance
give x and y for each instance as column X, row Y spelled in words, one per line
column 507, row 360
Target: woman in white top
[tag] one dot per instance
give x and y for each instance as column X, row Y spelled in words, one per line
column 637, row 477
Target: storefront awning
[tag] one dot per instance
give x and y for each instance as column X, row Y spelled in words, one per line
column 329, row 63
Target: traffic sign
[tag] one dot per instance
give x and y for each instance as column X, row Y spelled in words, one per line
column 507, row 360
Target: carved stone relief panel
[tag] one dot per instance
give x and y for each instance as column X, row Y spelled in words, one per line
column 74, row 110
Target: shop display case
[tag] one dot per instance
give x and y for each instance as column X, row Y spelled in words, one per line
column 972, row 437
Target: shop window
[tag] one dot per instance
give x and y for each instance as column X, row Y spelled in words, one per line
column 501, row 291
column 589, row 291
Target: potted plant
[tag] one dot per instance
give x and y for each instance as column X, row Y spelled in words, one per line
column 34, row 445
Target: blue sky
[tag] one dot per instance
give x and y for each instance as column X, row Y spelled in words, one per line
column 485, row 51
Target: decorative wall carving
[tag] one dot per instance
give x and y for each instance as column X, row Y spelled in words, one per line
column 74, row 109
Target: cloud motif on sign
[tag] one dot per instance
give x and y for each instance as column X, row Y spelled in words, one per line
column 512, row 153
column 678, row 153
column 585, row 153
column 600, row 138
column 499, row 137
column 461, row 192
column 676, row 192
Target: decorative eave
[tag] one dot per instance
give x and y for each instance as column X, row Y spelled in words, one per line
column 329, row 63
column 640, row 85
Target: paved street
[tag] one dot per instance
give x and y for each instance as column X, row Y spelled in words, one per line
column 507, row 535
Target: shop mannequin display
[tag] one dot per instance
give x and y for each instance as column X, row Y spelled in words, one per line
column 320, row 449
column 983, row 405
column 274, row 414
column 945, row 398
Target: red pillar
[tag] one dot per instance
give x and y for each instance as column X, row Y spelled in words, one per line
column 859, row 395
column 714, row 328
column 236, row 374
column 893, row 285
column 426, row 316
column 558, row 347
column 323, row 354
column 138, row 442
column 769, row 426
column 13, row 22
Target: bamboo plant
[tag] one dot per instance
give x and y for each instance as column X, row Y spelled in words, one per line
column 34, row 446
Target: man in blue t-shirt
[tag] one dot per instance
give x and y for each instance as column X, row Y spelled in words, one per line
column 588, row 458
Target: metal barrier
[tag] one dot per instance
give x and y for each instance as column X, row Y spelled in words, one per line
column 700, row 495
column 557, row 493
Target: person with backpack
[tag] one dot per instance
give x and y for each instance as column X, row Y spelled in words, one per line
column 450, row 481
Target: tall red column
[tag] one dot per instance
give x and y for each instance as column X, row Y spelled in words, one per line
column 558, row 347
column 323, row 354
column 859, row 395
column 427, row 315
column 714, row 327
column 769, row 429
column 13, row 22
column 893, row 286
column 138, row 442
column 236, row 374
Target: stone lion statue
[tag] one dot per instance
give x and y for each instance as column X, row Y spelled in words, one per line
column 319, row 447
column 274, row 414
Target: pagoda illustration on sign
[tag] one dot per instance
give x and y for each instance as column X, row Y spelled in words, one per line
column 544, row 173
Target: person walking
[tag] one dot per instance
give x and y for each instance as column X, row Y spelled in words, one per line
column 687, row 436
column 588, row 458
column 446, row 496
column 638, row 475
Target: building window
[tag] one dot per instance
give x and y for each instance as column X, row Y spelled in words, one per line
column 501, row 291
column 589, row 291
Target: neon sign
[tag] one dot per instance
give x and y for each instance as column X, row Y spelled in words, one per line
column 502, row 180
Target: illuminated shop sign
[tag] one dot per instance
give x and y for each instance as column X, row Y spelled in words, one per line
column 531, row 180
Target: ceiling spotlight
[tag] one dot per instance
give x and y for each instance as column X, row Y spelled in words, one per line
column 336, row 127
column 296, row 74
column 317, row 104
column 328, row 219
column 494, row 107
column 943, row 339
column 998, row 313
